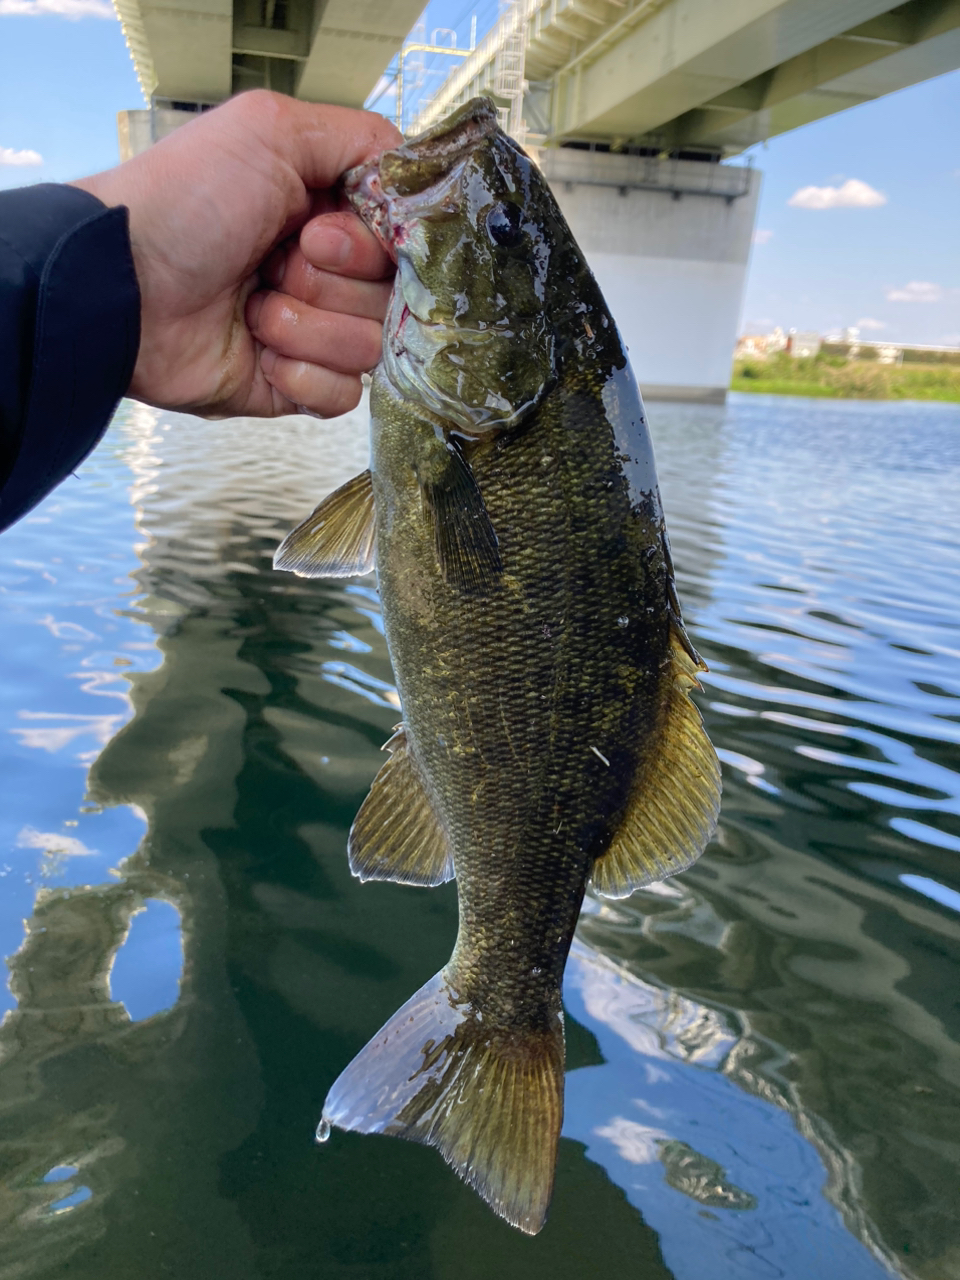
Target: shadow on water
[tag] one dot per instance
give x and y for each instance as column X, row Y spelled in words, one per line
column 763, row 1069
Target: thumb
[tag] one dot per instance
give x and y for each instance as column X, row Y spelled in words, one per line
column 322, row 142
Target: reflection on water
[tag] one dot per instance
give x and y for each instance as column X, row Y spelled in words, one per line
column 764, row 1074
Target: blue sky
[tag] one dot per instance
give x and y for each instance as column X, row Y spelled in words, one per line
column 891, row 258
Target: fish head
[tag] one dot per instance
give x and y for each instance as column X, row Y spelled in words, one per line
column 472, row 226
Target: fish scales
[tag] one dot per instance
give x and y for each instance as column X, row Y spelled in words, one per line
column 537, row 673
column 548, row 740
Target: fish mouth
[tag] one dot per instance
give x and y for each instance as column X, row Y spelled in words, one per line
column 431, row 156
column 384, row 190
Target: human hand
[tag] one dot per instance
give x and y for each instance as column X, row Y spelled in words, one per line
column 214, row 214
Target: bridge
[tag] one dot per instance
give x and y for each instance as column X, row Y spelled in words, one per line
column 632, row 108
column 708, row 77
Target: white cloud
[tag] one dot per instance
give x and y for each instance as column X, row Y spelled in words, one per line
column 19, row 158
column 53, row 842
column 853, row 194
column 868, row 323
column 761, row 236
column 61, row 8
column 638, row 1143
column 916, row 291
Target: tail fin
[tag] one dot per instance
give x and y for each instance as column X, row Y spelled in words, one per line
column 489, row 1099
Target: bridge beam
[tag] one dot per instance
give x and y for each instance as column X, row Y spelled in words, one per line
column 687, row 53
column 736, row 72
column 920, row 40
column 198, row 52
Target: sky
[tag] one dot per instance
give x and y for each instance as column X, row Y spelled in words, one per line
column 859, row 217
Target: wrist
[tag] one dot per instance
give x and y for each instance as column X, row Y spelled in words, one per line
column 118, row 188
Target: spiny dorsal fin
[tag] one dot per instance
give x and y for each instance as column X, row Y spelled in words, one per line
column 675, row 802
column 488, row 1097
column 396, row 835
column 337, row 541
column 465, row 540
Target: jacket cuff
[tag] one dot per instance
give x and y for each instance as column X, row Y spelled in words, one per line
column 77, row 270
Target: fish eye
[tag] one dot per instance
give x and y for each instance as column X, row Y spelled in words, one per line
column 505, row 224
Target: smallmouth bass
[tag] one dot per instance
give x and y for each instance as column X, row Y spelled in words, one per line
column 548, row 739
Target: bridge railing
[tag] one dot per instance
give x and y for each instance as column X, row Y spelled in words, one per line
column 481, row 67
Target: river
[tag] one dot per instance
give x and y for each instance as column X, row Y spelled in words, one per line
column 763, row 1062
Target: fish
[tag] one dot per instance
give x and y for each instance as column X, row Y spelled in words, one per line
column 549, row 741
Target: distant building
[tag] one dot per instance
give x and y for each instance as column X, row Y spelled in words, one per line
column 847, row 343
column 888, row 354
column 751, row 344
column 803, row 344
column 760, row 345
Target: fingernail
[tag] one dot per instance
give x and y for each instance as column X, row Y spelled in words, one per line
column 268, row 360
column 329, row 247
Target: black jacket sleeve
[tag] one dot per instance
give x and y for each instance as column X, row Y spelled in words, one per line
column 69, row 334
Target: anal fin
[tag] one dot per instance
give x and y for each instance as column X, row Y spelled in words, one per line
column 675, row 801
column 397, row 835
column 338, row 539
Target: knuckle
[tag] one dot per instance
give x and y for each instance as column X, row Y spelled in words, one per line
column 327, row 394
column 258, row 102
column 314, row 284
column 291, row 378
column 275, row 316
column 373, row 343
column 350, row 395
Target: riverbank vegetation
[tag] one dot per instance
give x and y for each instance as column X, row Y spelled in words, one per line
column 838, row 376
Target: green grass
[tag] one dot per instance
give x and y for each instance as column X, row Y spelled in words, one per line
column 837, row 377
column 780, row 387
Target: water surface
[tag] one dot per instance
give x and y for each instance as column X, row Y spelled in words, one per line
column 764, row 1075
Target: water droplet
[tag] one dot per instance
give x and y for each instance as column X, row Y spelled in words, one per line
column 323, row 1130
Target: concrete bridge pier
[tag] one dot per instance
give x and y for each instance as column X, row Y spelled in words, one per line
column 669, row 241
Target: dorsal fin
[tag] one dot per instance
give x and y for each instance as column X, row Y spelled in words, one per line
column 675, row 801
column 396, row 835
column 338, row 539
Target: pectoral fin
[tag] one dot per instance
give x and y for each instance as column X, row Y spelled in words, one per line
column 396, row 835
column 465, row 540
column 338, row 540
column 675, row 801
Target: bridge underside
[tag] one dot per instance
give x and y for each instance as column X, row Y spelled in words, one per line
column 689, row 76
column 190, row 52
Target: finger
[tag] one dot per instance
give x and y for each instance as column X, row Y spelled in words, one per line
column 310, row 386
column 329, row 140
column 340, row 242
column 344, row 343
column 327, row 292
column 274, row 266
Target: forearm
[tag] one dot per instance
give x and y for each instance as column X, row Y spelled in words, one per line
column 69, row 334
